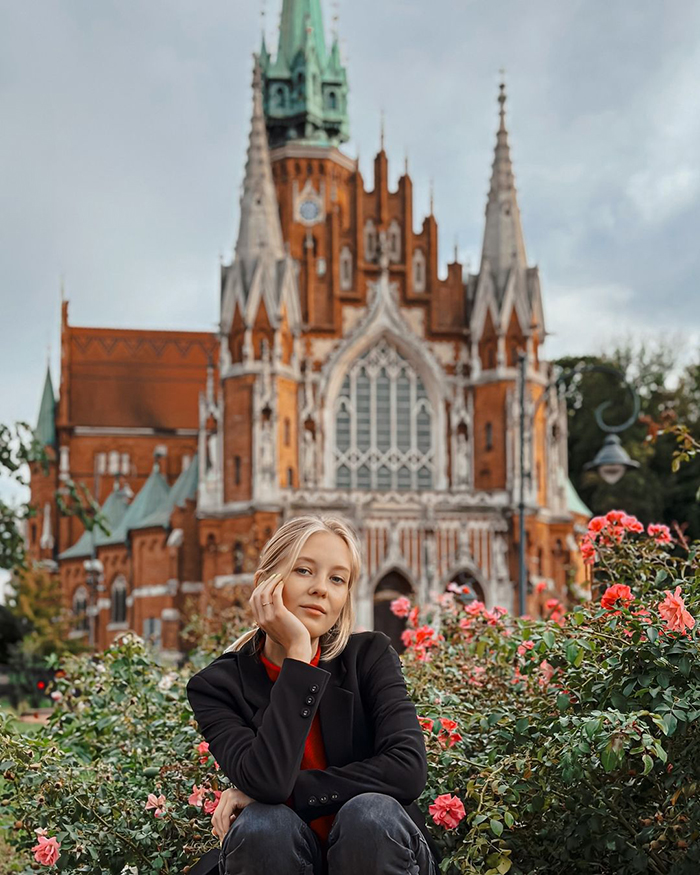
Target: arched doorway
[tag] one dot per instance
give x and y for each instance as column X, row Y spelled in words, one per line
column 472, row 590
column 392, row 586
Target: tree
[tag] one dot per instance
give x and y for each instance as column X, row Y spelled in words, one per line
column 652, row 492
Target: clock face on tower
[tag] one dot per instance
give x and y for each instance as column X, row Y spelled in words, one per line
column 309, row 211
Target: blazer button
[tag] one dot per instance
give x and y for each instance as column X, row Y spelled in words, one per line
column 323, row 799
column 313, row 688
column 313, row 800
column 305, row 712
column 310, row 700
column 334, row 796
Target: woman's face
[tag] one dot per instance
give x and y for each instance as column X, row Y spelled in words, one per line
column 319, row 577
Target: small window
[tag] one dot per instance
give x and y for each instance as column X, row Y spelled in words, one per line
column 346, row 269
column 114, row 459
column 287, row 431
column 238, row 558
column 370, row 240
column 237, row 470
column 80, row 599
column 290, row 477
column 119, row 600
column 419, row 271
column 126, row 464
column 489, row 436
column 152, row 630
column 395, row 241
column 280, row 97
column 332, row 100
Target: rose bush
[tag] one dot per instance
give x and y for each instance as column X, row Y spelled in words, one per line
column 572, row 744
column 562, row 745
column 119, row 777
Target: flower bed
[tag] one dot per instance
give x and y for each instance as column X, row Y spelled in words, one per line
column 569, row 744
column 560, row 746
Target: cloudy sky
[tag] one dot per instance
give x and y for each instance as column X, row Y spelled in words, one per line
column 124, row 127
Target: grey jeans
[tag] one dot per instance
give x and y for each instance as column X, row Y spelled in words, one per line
column 371, row 833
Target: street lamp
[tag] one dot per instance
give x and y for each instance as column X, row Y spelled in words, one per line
column 611, row 461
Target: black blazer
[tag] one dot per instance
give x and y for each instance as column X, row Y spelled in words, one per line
column 257, row 729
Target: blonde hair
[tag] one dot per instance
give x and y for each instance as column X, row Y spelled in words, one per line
column 283, row 548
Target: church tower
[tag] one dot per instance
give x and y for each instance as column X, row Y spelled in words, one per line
column 346, row 377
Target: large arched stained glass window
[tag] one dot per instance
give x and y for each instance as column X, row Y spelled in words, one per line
column 383, row 425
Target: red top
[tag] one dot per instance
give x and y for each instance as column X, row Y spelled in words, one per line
column 314, row 752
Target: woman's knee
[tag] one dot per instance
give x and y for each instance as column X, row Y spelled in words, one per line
column 370, row 809
column 259, row 821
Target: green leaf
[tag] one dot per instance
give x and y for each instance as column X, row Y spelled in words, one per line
column 648, row 764
column 670, row 724
column 609, row 758
column 496, row 827
column 593, row 726
column 652, row 634
column 504, row 866
column 572, row 652
column 548, row 638
column 563, row 701
column 521, row 724
column 509, row 819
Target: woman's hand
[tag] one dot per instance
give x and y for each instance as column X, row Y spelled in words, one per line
column 231, row 802
column 275, row 619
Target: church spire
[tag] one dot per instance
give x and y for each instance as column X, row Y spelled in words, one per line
column 301, row 19
column 260, row 229
column 46, row 424
column 305, row 88
column 504, row 245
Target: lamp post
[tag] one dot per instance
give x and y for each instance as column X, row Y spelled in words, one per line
column 611, row 461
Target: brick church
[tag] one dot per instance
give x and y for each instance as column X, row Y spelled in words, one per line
column 346, row 377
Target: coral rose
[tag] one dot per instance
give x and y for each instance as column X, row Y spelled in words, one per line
column 447, row 810
column 47, row 851
column 673, row 611
column 618, row 592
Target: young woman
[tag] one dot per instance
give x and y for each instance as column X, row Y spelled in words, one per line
column 312, row 724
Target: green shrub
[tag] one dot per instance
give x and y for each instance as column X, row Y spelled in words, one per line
column 574, row 744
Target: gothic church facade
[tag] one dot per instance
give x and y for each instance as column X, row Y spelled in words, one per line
column 346, row 377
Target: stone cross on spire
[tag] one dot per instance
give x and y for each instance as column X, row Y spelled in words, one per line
column 504, row 245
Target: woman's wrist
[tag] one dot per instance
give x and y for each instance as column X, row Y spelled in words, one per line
column 299, row 652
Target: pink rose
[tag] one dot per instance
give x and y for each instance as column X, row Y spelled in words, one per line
column 197, row 796
column 673, row 611
column 447, row 810
column 211, row 804
column 400, row 607
column 156, row 803
column 47, row 851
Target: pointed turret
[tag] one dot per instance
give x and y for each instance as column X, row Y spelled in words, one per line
column 507, row 303
column 261, row 268
column 504, row 245
column 305, row 87
column 299, row 19
column 260, row 229
column 46, row 423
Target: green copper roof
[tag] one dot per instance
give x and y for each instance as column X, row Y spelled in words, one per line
column 184, row 488
column 573, row 500
column 298, row 18
column 305, row 89
column 151, row 496
column 46, row 424
column 114, row 510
